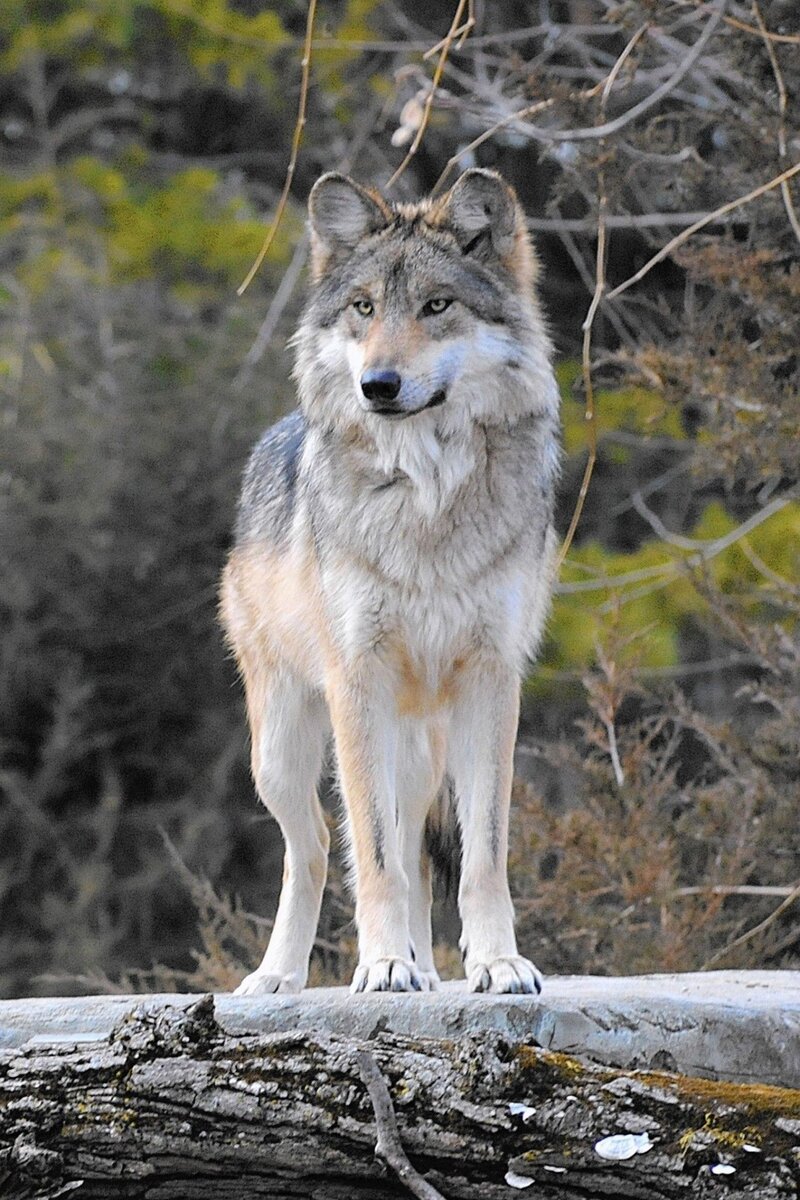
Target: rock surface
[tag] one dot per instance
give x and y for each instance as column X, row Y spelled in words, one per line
column 737, row 1025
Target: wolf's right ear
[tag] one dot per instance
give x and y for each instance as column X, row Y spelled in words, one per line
column 341, row 213
column 484, row 216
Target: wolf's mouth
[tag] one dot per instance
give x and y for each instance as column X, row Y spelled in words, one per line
column 436, row 399
column 400, row 414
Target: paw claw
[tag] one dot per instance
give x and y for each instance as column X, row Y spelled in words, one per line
column 267, row 984
column 387, row 975
column 508, row 975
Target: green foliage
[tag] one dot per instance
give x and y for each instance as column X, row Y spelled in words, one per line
column 628, row 410
column 187, row 232
column 215, row 38
column 659, row 587
column 655, row 588
column 83, row 32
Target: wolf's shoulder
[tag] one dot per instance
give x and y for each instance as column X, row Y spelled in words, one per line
column 269, row 485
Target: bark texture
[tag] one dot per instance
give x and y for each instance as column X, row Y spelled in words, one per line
column 171, row 1107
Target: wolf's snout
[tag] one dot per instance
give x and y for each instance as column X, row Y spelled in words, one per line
column 380, row 386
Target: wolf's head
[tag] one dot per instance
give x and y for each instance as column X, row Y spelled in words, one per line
column 422, row 313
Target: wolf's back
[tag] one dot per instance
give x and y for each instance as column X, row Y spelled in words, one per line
column 269, row 486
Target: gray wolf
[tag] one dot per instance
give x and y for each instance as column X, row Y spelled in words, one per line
column 392, row 569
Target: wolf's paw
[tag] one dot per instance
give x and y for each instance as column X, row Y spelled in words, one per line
column 512, row 973
column 263, row 983
column 389, row 975
column 430, row 980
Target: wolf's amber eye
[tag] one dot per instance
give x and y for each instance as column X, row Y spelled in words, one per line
column 435, row 306
column 364, row 308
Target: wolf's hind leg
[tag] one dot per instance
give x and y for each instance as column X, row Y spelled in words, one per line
column 289, row 727
column 420, row 768
column 483, row 731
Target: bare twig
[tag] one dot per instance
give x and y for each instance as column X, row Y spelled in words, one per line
column 406, row 46
column 678, row 670
column 456, row 30
column 274, row 313
column 684, row 236
column 595, row 131
column 735, row 889
column 789, row 39
column 779, row 581
column 600, row 283
column 791, row 211
column 297, row 138
column 658, row 526
column 84, row 121
column 389, row 1147
column 613, row 751
column 530, row 110
column 743, row 938
column 461, row 33
column 575, row 587
column 736, row 23
column 663, row 573
column 620, row 221
column 606, row 128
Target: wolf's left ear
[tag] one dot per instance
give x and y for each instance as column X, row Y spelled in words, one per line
column 484, row 216
column 341, row 213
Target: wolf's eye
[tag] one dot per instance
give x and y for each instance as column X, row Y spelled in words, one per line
column 364, row 308
column 435, row 306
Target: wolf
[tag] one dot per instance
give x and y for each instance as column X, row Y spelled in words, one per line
column 391, row 572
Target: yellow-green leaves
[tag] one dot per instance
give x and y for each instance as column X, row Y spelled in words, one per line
column 628, row 410
column 188, row 231
column 653, row 589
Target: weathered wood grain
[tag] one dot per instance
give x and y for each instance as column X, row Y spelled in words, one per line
column 171, row 1107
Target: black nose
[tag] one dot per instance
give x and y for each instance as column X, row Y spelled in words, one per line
column 381, row 385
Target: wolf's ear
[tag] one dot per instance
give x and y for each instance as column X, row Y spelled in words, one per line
column 341, row 213
column 484, row 216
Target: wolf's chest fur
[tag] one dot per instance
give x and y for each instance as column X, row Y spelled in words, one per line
column 437, row 546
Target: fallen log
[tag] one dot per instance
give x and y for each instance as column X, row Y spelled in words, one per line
column 180, row 1101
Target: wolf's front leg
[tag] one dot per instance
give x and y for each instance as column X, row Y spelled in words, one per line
column 483, row 732
column 289, row 726
column 365, row 733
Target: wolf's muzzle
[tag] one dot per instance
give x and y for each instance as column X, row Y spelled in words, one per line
column 382, row 390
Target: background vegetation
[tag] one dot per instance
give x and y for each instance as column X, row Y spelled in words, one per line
column 144, row 147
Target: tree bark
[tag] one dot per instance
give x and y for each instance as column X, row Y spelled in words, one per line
column 171, row 1107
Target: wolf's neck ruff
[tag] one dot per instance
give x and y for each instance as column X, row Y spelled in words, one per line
column 393, row 566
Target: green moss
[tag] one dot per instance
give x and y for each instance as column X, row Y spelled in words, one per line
column 754, row 1098
column 534, row 1058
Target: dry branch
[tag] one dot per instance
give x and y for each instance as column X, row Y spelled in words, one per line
column 297, row 138
column 456, row 30
column 600, row 283
column 389, row 1148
